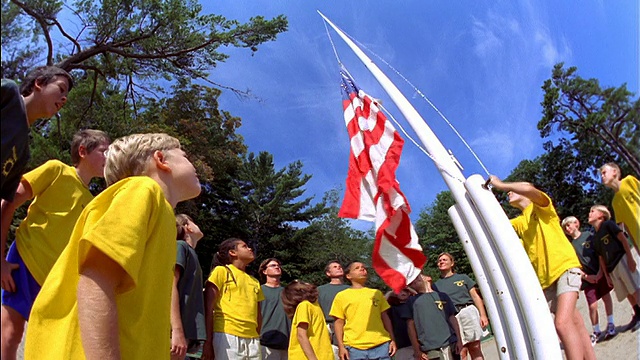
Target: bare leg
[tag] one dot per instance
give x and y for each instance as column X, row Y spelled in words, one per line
column 12, row 330
column 475, row 350
column 608, row 305
column 571, row 329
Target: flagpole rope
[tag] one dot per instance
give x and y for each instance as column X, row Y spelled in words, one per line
column 435, row 161
column 424, row 97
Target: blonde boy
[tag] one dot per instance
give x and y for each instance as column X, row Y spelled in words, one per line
column 626, row 201
column 617, row 259
column 59, row 192
column 109, row 294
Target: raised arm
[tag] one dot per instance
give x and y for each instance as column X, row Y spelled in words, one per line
column 100, row 276
column 23, row 193
column 522, row 188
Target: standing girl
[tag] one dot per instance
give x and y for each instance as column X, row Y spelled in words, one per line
column 309, row 334
column 232, row 314
column 471, row 314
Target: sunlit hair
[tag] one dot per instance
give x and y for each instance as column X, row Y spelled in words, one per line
column 222, row 257
column 328, row 266
column 181, row 221
column 88, row 138
column 43, row 75
column 263, row 266
column 129, row 155
column 568, row 220
column 295, row 293
column 603, row 209
column 613, row 166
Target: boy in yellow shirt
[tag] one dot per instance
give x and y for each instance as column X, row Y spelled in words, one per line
column 360, row 336
column 109, row 294
column 626, row 201
column 554, row 261
column 59, row 192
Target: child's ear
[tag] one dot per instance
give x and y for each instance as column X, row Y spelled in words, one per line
column 82, row 151
column 160, row 160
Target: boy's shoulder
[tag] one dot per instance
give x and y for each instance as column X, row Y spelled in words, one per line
column 9, row 86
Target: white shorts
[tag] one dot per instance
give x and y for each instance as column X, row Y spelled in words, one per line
column 624, row 281
column 469, row 324
column 231, row 347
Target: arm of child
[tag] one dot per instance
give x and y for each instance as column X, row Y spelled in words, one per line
column 603, row 271
column 386, row 321
column 338, row 328
column 522, row 188
column 259, row 328
column 305, row 344
column 477, row 301
column 631, row 263
column 210, row 295
column 415, row 344
column 178, row 341
column 454, row 324
column 23, row 193
column 100, row 276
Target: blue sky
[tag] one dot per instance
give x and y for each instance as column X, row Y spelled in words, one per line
column 482, row 64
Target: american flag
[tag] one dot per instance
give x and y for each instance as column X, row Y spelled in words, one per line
column 373, row 193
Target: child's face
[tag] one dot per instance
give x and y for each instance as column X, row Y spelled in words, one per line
column 96, row 159
column 244, row 253
column 194, row 230
column 357, row 272
column 186, row 182
column 404, row 295
column 52, row 96
column 595, row 215
column 608, row 175
column 571, row 227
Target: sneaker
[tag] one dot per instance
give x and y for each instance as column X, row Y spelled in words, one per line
column 611, row 331
column 594, row 339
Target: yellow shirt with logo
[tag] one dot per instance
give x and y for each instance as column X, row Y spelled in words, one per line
column 133, row 224
column 549, row 251
column 626, row 206
column 235, row 310
column 317, row 332
column 59, row 198
column 362, row 311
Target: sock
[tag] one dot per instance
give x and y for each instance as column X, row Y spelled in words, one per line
column 610, row 319
column 596, row 328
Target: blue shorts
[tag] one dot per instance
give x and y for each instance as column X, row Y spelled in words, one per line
column 27, row 288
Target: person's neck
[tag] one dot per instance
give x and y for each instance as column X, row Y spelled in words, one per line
column 428, row 289
column 191, row 241
column 357, row 285
column 335, row 281
column 446, row 273
column 32, row 115
column 614, row 185
column 596, row 224
column 84, row 174
column 576, row 234
column 239, row 264
column 273, row 282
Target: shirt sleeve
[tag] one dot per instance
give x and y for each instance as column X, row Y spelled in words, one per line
column 384, row 304
column 470, row 283
column 302, row 315
column 218, row 276
column 336, row 308
column 43, row 176
column 182, row 254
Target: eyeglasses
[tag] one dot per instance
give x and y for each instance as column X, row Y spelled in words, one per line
column 273, row 266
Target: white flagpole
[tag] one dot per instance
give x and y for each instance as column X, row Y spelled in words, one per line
column 545, row 344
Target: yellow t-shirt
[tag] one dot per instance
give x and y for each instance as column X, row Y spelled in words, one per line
column 132, row 223
column 312, row 315
column 626, row 206
column 550, row 253
column 235, row 311
column 362, row 311
column 59, row 198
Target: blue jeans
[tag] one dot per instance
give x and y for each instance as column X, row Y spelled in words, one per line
column 380, row 352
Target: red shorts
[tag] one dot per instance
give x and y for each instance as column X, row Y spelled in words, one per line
column 594, row 292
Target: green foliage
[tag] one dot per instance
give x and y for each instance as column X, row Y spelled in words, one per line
column 597, row 124
column 437, row 235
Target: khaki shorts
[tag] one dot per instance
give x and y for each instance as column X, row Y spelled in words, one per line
column 624, row 281
column 569, row 281
column 444, row 353
column 469, row 324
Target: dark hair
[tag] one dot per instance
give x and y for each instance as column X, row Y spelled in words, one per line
column 43, row 75
column 326, row 268
column 295, row 293
column 222, row 257
column 88, row 138
column 347, row 269
column 263, row 266
column 181, row 221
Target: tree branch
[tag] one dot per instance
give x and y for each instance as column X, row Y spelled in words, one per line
column 42, row 21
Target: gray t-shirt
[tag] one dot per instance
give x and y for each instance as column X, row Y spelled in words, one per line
column 586, row 253
column 457, row 287
column 276, row 327
column 431, row 312
column 190, row 292
column 326, row 294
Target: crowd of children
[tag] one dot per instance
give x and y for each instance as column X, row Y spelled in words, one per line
column 110, row 277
